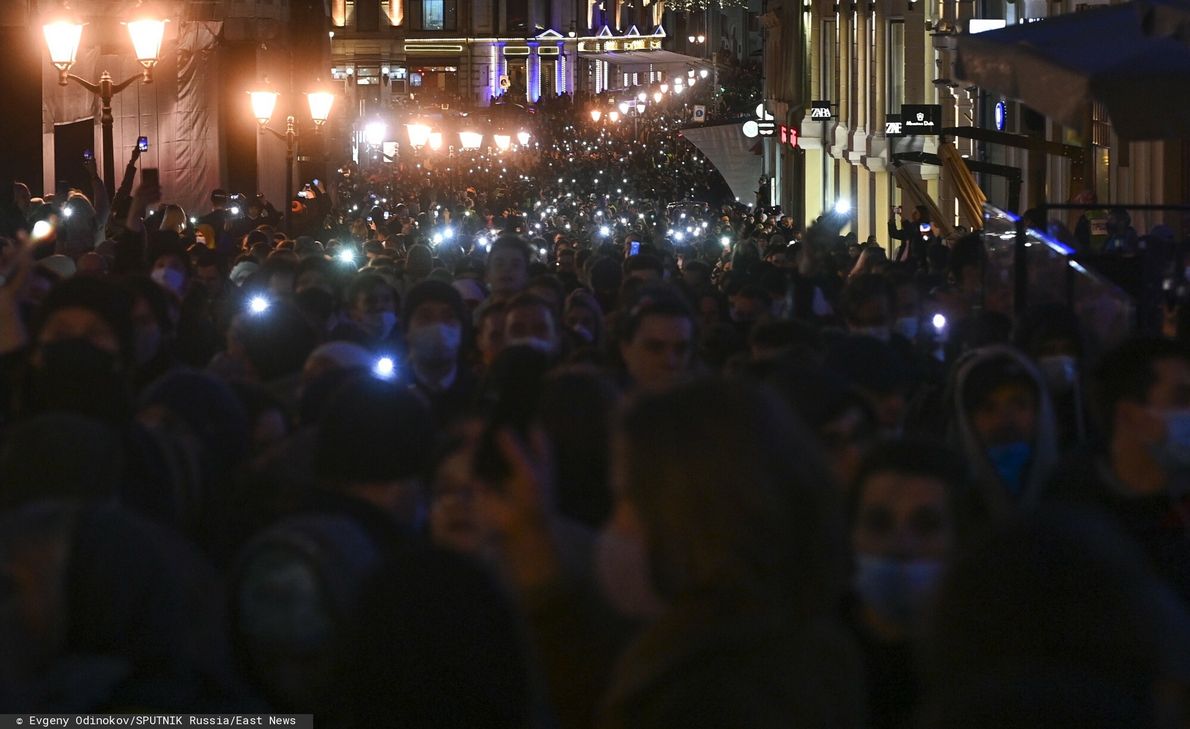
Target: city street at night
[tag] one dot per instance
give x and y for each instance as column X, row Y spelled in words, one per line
column 595, row 364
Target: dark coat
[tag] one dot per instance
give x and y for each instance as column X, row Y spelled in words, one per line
column 714, row 662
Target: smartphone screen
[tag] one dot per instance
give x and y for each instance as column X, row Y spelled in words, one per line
column 142, row 143
column 88, row 155
column 634, row 248
column 924, row 227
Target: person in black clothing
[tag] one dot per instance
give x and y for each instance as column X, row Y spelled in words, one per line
column 905, row 526
column 1140, row 474
column 914, row 240
column 435, row 329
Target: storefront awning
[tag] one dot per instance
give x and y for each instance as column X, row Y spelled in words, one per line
column 648, row 58
column 726, row 147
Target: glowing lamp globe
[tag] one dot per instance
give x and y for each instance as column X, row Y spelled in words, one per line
column 470, row 140
column 62, row 38
column 147, row 34
column 419, row 134
column 320, row 103
column 375, row 132
column 263, row 104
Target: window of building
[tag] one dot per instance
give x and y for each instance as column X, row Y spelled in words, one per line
column 829, row 49
column 1101, row 146
column 896, row 65
column 438, row 14
column 367, row 15
column 518, row 16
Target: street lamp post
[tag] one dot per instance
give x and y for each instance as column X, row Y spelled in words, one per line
column 62, row 38
column 263, row 103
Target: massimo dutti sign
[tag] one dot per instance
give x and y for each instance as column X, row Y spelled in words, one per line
column 921, row 119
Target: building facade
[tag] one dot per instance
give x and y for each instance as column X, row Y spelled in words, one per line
column 842, row 73
column 470, row 52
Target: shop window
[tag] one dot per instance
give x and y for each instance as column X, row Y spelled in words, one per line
column 438, row 14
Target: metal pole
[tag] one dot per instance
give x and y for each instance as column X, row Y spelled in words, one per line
column 290, row 140
column 106, row 92
column 1020, row 271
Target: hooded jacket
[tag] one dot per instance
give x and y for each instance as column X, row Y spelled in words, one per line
column 962, row 435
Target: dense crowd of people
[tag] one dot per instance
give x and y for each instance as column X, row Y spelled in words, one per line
column 566, row 437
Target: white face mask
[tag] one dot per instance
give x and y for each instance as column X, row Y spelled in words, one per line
column 435, row 342
column 170, row 279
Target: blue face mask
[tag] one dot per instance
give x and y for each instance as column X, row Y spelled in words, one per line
column 1174, row 451
column 1010, row 461
column 895, row 589
column 907, row 327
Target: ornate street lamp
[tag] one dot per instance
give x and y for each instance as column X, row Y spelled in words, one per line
column 419, row 134
column 264, row 103
column 62, row 37
column 470, row 140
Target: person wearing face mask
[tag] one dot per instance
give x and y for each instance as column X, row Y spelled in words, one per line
column 1002, row 421
column 1138, row 471
column 82, row 352
column 171, row 271
column 372, row 307
column 904, row 529
column 434, row 319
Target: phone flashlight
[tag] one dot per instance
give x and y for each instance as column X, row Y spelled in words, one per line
column 385, row 368
column 939, row 322
column 258, row 304
column 347, row 255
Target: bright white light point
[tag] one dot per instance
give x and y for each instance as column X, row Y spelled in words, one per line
column 258, row 304
column 437, row 238
column 679, row 236
column 384, row 368
column 725, row 241
column 842, row 207
column 235, row 211
column 939, row 322
column 41, row 229
column 604, row 231
column 67, row 212
column 448, row 233
column 347, row 256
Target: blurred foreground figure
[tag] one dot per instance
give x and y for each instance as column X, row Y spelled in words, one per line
column 1053, row 620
